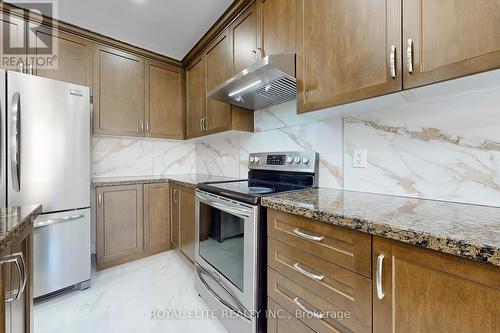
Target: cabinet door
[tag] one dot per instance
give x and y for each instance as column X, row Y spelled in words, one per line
column 5, row 287
column 282, row 321
column 21, row 282
column 218, row 67
column 157, row 217
column 119, row 225
column 74, row 58
column 187, row 222
column 427, row 291
column 15, row 28
column 243, row 33
column 449, row 39
column 118, row 92
column 344, row 49
column 164, row 101
column 277, row 26
column 196, row 98
column 175, row 215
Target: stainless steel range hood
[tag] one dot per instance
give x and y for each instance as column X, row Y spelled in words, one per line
column 270, row 81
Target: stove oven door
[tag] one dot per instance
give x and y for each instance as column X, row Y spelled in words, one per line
column 226, row 251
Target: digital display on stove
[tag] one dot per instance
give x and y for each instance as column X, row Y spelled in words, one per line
column 276, row 159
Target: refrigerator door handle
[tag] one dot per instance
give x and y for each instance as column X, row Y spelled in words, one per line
column 15, row 142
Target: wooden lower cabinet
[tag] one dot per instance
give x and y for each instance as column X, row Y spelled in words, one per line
column 157, row 217
column 280, row 320
column 16, row 312
column 427, row 291
column 187, row 222
column 175, row 215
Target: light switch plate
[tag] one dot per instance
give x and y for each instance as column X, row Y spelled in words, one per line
column 359, row 158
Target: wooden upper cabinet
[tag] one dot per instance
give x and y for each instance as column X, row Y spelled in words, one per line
column 343, row 51
column 276, row 26
column 164, row 97
column 196, row 95
column 157, row 217
column 450, row 38
column 119, row 225
column 218, row 68
column 427, row 291
column 243, row 34
column 118, row 92
column 74, row 57
column 14, row 27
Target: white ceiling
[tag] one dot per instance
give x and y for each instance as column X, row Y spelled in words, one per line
column 168, row 27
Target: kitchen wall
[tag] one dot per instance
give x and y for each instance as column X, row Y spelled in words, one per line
column 438, row 142
column 115, row 157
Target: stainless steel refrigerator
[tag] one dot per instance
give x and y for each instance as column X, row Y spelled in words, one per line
column 45, row 159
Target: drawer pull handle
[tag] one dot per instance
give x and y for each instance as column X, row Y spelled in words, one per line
column 380, row 263
column 307, row 236
column 307, row 273
column 306, row 310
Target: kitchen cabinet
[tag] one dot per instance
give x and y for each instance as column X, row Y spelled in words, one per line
column 119, row 224
column 282, row 321
column 164, row 95
column 218, row 70
column 276, row 26
column 196, row 98
column 175, row 215
column 74, row 63
column 16, row 28
column 118, row 92
column 243, row 35
column 344, row 51
column 420, row 290
column 157, row 217
column 187, row 222
column 448, row 39
column 16, row 311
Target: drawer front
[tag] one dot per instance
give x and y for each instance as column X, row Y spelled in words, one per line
column 344, row 289
column 313, row 310
column 347, row 248
column 281, row 321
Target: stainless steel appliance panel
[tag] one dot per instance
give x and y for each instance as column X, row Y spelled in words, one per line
column 48, row 130
column 61, row 250
column 3, row 153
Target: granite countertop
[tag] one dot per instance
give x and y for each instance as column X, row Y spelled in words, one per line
column 469, row 231
column 13, row 220
column 188, row 180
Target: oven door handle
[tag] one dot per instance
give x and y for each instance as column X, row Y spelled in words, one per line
column 232, row 210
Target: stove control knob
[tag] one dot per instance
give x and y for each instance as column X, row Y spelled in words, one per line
column 257, row 159
column 297, row 160
column 252, row 159
column 305, row 160
column 289, row 159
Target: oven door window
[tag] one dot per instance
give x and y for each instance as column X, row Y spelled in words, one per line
column 221, row 242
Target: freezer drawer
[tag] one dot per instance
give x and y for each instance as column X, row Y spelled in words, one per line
column 61, row 250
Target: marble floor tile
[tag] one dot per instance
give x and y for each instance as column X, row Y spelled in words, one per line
column 121, row 299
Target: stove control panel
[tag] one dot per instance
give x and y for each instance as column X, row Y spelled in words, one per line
column 299, row 161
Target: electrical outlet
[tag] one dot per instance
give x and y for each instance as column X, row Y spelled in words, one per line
column 359, row 158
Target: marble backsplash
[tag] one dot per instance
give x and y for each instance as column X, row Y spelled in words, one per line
column 438, row 143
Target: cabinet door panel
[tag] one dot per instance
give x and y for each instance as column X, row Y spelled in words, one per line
column 74, row 58
column 164, row 101
column 15, row 28
column 277, row 26
column 157, row 217
column 187, row 222
column 118, row 92
column 119, row 224
column 426, row 291
column 244, row 39
column 451, row 38
column 218, row 66
column 174, row 215
column 196, row 96
column 343, row 51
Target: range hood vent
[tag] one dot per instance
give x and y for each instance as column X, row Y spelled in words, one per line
column 270, row 81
